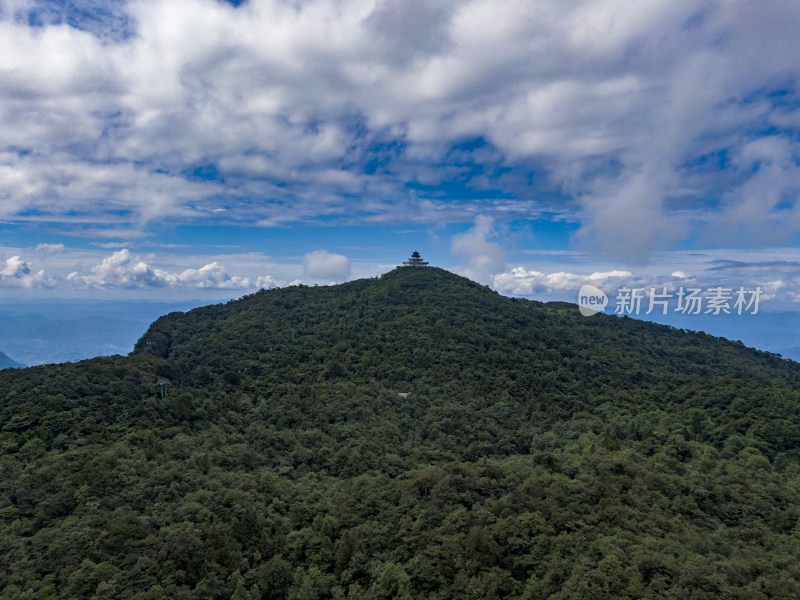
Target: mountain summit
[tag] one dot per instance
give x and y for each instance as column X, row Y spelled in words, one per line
column 415, row 435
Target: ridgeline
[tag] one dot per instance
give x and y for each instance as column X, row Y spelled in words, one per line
column 6, row 362
column 413, row 436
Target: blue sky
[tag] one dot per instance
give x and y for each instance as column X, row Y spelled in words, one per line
column 198, row 149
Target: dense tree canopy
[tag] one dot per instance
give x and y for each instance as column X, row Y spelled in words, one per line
column 538, row 454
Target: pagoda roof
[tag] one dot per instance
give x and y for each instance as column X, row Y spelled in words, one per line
column 415, row 260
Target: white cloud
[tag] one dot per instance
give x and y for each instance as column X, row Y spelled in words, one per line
column 211, row 276
column 111, row 245
column 14, row 267
column 49, row 248
column 776, row 272
column 15, row 272
column 324, row 265
column 123, row 269
column 520, row 281
column 484, row 257
column 128, row 270
column 626, row 218
column 765, row 208
column 275, row 110
column 266, row 282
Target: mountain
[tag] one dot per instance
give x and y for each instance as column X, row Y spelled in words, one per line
column 411, row 436
column 67, row 330
column 7, row 362
column 775, row 332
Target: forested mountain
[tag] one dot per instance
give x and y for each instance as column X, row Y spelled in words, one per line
column 262, row 449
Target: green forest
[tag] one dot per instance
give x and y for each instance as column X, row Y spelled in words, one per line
column 413, row 436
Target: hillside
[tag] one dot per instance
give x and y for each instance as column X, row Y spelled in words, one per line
column 6, row 362
column 262, row 449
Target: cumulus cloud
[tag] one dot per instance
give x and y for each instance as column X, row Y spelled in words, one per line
column 633, row 115
column 325, row 265
column 15, row 272
column 14, row 267
column 212, row 276
column 128, row 270
column 520, row 281
column 484, row 257
column 123, row 269
column 267, row 282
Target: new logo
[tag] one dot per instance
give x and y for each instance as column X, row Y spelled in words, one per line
column 591, row 300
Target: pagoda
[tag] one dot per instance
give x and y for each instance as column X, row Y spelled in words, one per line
column 415, row 261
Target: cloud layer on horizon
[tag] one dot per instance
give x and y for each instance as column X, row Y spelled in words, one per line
column 649, row 123
column 128, row 270
column 56, row 271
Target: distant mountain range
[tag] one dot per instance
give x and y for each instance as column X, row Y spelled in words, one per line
column 775, row 332
column 42, row 332
column 411, row 436
column 7, row 363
